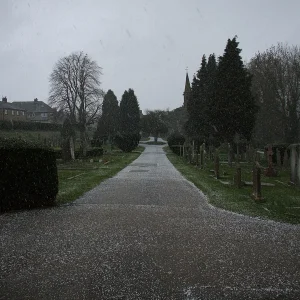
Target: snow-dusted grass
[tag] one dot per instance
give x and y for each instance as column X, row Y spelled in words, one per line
column 282, row 201
column 76, row 178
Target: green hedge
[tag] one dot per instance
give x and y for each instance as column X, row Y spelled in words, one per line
column 31, row 126
column 28, row 175
column 175, row 139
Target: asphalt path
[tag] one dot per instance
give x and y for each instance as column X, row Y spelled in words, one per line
column 146, row 233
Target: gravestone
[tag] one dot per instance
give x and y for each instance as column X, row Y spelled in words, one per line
column 270, row 171
column 190, row 154
column 217, row 165
column 256, row 183
column 286, row 162
column 278, row 158
column 295, row 164
column 202, row 156
column 238, row 177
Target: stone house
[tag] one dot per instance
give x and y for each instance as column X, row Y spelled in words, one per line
column 11, row 112
column 37, row 111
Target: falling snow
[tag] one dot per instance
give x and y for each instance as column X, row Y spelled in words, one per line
column 146, row 235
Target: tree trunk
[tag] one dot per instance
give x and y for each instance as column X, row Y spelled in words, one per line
column 83, row 141
column 72, row 148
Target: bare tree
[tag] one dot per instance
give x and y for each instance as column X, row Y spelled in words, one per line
column 75, row 89
column 276, row 84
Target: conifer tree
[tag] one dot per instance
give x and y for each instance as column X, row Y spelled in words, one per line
column 129, row 113
column 233, row 111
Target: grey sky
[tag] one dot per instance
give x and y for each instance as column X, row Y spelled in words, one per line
column 144, row 45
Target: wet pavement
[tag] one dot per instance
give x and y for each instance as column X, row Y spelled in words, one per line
column 146, row 233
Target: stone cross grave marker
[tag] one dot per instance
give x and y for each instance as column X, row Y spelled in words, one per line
column 270, row 171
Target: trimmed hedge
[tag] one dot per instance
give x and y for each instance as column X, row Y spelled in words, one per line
column 175, row 139
column 31, row 126
column 28, row 175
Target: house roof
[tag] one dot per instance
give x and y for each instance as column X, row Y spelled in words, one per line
column 34, row 106
column 5, row 105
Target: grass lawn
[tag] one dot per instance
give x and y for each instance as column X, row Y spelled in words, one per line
column 282, row 201
column 78, row 177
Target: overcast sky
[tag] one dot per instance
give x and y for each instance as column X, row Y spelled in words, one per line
column 144, row 45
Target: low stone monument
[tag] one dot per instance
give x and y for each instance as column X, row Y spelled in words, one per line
column 256, row 195
column 295, row 164
column 202, row 156
column 238, row 177
column 270, row 171
column 286, row 162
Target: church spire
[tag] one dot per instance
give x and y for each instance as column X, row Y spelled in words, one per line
column 187, row 90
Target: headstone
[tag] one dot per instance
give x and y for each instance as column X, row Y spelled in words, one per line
column 270, row 171
column 295, row 164
column 285, row 159
column 257, row 183
column 202, row 157
column 217, row 165
column 278, row 158
column 190, row 154
column 193, row 150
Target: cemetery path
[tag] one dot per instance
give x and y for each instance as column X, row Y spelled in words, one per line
column 146, row 233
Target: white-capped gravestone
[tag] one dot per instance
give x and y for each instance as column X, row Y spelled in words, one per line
column 295, row 163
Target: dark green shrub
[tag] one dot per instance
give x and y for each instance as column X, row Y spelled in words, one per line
column 127, row 141
column 28, row 175
column 34, row 126
column 175, row 139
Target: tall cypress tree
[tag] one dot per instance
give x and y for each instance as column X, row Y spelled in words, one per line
column 129, row 113
column 196, row 105
column 234, row 107
column 108, row 123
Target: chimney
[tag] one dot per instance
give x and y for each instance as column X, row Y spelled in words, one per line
column 4, row 99
column 35, row 100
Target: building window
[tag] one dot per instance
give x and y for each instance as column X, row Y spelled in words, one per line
column 44, row 115
column 17, row 112
column 23, row 113
column 5, row 112
column 12, row 112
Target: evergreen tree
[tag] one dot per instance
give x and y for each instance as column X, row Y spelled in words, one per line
column 129, row 113
column 108, row 123
column 210, row 132
column 196, row 124
column 233, row 111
